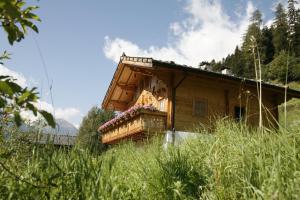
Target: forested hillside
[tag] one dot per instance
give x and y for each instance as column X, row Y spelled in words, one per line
column 277, row 46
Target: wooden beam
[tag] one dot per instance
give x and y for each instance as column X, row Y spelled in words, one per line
column 138, row 63
column 141, row 71
column 127, row 87
column 118, row 104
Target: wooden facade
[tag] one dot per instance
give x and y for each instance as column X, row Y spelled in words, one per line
column 137, row 127
column 185, row 97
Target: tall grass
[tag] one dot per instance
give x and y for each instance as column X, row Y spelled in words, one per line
column 233, row 163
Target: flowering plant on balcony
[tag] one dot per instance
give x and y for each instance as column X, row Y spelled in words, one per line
column 131, row 112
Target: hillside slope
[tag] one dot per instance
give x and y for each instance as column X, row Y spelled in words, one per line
column 293, row 110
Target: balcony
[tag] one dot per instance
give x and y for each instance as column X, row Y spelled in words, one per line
column 134, row 124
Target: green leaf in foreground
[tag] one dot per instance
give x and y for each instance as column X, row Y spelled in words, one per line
column 48, row 117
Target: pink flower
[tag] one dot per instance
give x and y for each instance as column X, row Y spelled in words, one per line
column 126, row 115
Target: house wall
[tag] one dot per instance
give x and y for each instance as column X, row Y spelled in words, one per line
column 151, row 90
column 221, row 98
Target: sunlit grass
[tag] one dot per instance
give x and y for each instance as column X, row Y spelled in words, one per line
column 233, row 163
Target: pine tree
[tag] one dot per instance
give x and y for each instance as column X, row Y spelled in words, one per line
column 237, row 62
column 292, row 23
column 268, row 49
column 280, row 30
column 254, row 30
column 292, row 16
column 296, row 43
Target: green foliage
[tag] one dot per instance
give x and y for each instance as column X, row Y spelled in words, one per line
column 252, row 31
column 233, row 163
column 296, row 36
column 14, row 99
column 277, row 68
column 88, row 137
column 267, row 49
column 280, row 30
column 180, row 176
column 236, row 62
column 293, row 110
column 273, row 43
column 15, row 18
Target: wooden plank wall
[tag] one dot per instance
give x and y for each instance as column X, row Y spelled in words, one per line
column 221, row 98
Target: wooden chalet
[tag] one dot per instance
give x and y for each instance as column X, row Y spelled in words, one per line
column 181, row 98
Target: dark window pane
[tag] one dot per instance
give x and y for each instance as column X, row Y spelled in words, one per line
column 200, row 108
column 239, row 113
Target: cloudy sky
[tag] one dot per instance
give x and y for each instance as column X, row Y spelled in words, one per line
column 81, row 41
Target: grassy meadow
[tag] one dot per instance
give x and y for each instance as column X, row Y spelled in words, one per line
column 232, row 163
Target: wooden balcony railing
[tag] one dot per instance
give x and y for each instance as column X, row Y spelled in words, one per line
column 135, row 127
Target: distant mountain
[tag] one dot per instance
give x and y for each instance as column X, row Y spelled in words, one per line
column 63, row 127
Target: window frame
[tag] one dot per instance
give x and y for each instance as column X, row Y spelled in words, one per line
column 202, row 100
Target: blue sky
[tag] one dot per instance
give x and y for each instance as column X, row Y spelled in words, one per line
column 81, row 42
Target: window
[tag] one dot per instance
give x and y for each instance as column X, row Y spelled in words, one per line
column 161, row 105
column 200, row 108
column 239, row 113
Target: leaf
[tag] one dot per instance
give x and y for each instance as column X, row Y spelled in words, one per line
column 4, row 77
column 3, row 102
column 24, row 96
column 15, row 87
column 32, row 108
column 32, row 16
column 18, row 119
column 5, row 88
column 30, row 25
column 48, row 117
column 12, row 11
column 5, row 56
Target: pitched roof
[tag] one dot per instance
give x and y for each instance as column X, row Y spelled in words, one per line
column 147, row 62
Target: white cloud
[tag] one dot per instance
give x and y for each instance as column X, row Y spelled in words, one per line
column 269, row 23
column 176, row 28
column 208, row 33
column 68, row 113
column 20, row 79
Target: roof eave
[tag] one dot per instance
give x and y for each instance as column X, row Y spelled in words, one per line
column 291, row 92
column 124, row 60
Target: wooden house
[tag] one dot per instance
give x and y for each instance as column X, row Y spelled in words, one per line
column 155, row 96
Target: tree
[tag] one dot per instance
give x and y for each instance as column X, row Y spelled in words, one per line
column 280, row 30
column 237, row 64
column 296, row 42
column 88, row 137
column 267, row 45
column 294, row 23
column 254, row 30
column 15, row 18
column 292, row 15
column 277, row 68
